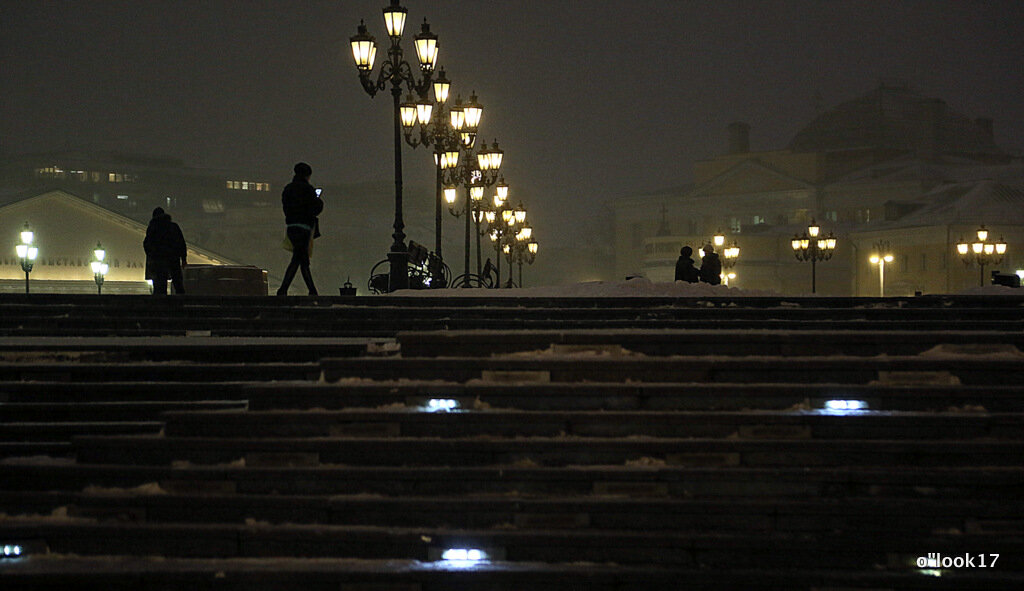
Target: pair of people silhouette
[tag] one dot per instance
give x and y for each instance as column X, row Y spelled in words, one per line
column 710, row 269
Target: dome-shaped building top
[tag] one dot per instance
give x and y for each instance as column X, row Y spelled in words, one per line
column 893, row 117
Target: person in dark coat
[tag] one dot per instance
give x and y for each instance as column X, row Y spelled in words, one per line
column 685, row 271
column 301, row 208
column 166, row 253
column 711, row 266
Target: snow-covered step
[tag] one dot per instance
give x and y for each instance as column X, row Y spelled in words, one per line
column 135, row 572
column 46, row 390
column 907, row 393
column 846, row 550
column 65, row 431
column 543, row 451
column 644, row 478
column 864, row 514
column 483, row 343
column 998, row 369
column 36, row 449
column 156, row 372
column 17, row 412
column 197, row 347
column 421, row 422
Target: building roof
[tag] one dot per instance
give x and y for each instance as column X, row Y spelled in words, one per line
column 980, row 202
column 893, row 117
column 911, row 167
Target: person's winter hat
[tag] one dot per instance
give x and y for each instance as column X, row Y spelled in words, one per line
column 303, row 169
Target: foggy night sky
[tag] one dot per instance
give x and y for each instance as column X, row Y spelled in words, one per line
column 590, row 99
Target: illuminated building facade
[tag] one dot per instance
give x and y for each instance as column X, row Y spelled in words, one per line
column 890, row 166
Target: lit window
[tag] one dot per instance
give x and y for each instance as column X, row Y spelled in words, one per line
column 736, row 225
column 245, row 185
column 230, row 186
column 759, row 219
column 213, row 205
column 122, row 197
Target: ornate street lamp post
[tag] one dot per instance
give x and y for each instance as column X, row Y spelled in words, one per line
column 813, row 247
column 522, row 249
column 475, row 174
column 881, row 258
column 982, row 252
column 452, row 134
column 27, row 252
column 729, row 257
column 397, row 71
column 99, row 266
column 502, row 228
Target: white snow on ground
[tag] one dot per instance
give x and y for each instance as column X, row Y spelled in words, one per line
column 639, row 287
column 37, row 461
column 58, row 515
column 989, row 290
column 150, row 488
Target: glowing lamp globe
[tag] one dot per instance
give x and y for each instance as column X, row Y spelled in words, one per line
column 441, row 87
column 474, row 111
column 364, row 49
column 426, row 47
column 394, row 19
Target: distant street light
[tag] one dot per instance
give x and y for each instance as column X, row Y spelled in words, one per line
column 523, row 249
column 881, row 258
column 99, row 266
column 982, row 252
column 27, row 252
column 813, row 247
column 730, row 255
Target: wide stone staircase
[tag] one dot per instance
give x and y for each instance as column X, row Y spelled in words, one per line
column 504, row 443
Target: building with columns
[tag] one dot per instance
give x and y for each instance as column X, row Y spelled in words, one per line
column 891, row 168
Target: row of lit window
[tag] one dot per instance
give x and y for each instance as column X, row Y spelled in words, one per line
column 54, row 172
column 248, row 186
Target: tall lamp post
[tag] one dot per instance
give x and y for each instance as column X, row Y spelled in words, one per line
column 982, row 252
column 522, row 249
column 813, row 247
column 501, row 224
column 450, row 133
column 397, row 71
column 881, row 257
column 475, row 174
column 27, row 252
column 99, row 266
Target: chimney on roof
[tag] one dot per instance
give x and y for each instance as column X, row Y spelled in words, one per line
column 986, row 126
column 739, row 137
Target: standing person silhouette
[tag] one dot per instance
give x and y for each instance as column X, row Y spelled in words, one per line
column 685, row 271
column 711, row 266
column 301, row 206
column 166, row 253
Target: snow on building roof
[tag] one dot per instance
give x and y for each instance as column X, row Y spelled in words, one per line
column 980, row 202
